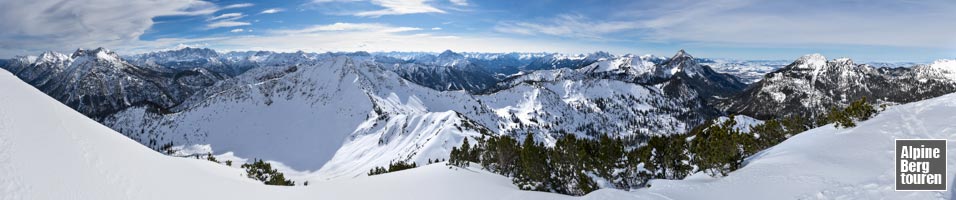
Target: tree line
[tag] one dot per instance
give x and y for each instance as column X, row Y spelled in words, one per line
column 393, row 167
column 575, row 166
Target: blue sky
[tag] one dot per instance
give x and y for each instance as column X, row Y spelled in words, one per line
column 887, row 30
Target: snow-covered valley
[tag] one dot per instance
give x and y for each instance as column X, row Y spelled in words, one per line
column 337, row 115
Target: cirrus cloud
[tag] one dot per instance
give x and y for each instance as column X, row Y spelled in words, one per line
column 38, row 25
column 222, row 24
column 272, row 11
column 390, row 7
column 238, row 5
column 227, row 16
column 351, row 27
column 759, row 23
column 566, row 26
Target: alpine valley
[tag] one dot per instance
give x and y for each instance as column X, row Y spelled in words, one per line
column 336, row 116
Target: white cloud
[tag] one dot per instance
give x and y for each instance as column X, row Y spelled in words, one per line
column 460, row 2
column 227, row 16
column 226, row 20
column 807, row 23
column 436, row 28
column 400, row 7
column 37, row 25
column 749, row 23
column 372, row 40
column 238, row 30
column 238, row 5
column 272, row 11
column 221, row 24
column 390, row 7
column 367, row 37
column 575, row 26
column 350, row 27
column 330, row 1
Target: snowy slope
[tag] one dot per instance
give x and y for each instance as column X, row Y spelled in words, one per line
column 830, row 163
column 49, row 151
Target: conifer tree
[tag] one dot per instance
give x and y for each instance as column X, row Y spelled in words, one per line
column 465, row 149
column 533, row 163
column 455, row 157
column 610, row 155
column 719, row 148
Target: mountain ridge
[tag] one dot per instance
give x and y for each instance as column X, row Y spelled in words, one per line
column 812, row 84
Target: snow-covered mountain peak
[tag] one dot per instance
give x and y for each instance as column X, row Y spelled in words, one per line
column 448, row 52
column 187, row 53
column 26, row 60
column 681, row 53
column 683, row 61
column 450, row 58
column 943, row 68
column 598, row 56
column 52, row 57
column 844, row 61
column 648, row 56
column 181, row 58
column 810, row 61
column 96, row 54
column 944, row 64
column 196, row 50
column 359, row 54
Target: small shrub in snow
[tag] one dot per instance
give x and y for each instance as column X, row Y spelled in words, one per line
column 858, row 110
column 211, row 158
column 263, row 171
